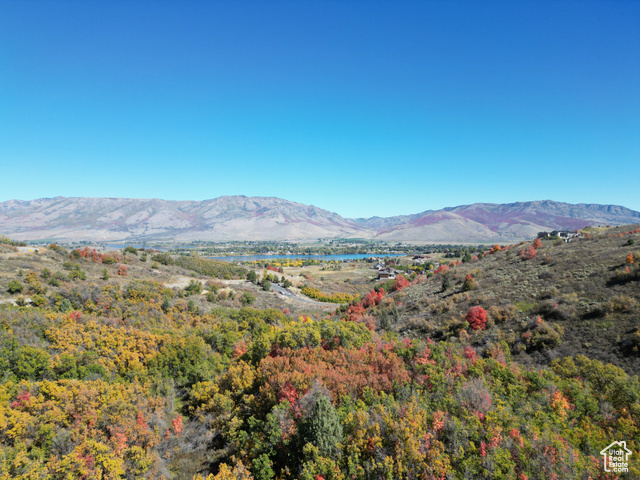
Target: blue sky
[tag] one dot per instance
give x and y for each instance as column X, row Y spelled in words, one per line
column 359, row 107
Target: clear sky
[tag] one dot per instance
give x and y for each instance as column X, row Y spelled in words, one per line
column 359, row 107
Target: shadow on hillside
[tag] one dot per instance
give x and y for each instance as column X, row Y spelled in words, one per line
column 623, row 279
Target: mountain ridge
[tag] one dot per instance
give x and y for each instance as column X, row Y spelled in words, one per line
column 241, row 217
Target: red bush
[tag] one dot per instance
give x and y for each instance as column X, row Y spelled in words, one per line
column 289, row 393
column 442, row 269
column 22, row 400
column 528, row 253
column 399, row 283
column 469, row 353
column 477, row 318
column 355, row 312
column 373, row 298
column 177, row 425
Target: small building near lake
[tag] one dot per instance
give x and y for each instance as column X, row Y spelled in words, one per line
column 386, row 274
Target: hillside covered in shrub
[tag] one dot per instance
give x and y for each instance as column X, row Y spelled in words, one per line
column 523, row 367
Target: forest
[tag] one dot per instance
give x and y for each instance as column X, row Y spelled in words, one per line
column 486, row 367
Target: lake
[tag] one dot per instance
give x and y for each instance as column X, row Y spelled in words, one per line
column 340, row 258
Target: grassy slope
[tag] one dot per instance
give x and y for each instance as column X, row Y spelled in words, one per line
column 580, row 290
column 15, row 265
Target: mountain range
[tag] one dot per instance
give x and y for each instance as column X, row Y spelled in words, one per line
column 270, row 218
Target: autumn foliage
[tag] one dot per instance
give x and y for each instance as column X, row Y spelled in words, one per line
column 373, row 298
column 528, row 253
column 316, row 294
column 125, row 379
column 477, row 318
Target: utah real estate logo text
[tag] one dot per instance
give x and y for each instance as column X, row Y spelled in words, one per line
column 616, row 457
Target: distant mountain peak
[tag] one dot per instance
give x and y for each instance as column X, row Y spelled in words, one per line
column 240, row 217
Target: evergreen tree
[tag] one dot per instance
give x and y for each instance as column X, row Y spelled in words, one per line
column 446, row 282
column 65, row 305
column 469, row 283
column 252, row 277
column 322, row 427
column 166, row 305
column 385, row 324
column 191, row 306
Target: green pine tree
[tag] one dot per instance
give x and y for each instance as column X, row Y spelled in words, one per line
column 322, row 428
column 446, row 282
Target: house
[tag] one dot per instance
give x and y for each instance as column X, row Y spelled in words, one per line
column 565, row 235
column 387, row 273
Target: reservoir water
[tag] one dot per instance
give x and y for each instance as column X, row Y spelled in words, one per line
column 339, row 258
